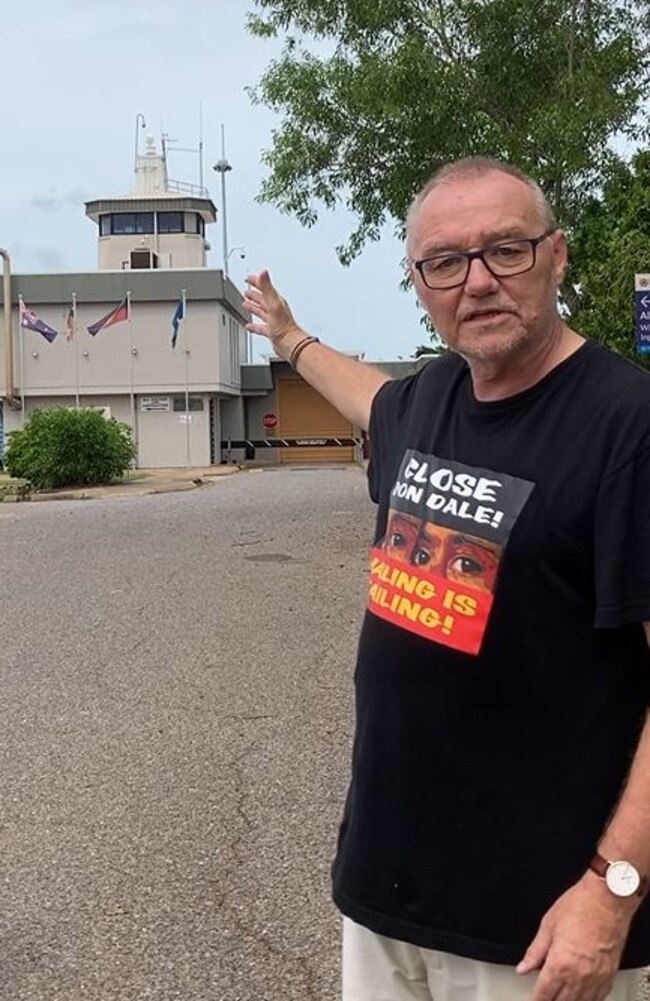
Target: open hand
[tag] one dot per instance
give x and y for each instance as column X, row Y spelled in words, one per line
column 262, row 299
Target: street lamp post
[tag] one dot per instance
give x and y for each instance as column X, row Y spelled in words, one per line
column 139, row 122
column 222, row 167
column 242, row 252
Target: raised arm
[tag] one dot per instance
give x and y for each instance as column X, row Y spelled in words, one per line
column 348, row 384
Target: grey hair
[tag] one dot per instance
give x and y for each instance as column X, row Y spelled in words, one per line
column 477, row 166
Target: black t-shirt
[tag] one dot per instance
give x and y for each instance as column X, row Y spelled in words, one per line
column 503, row 673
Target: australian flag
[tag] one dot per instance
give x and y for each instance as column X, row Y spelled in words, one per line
column 30, row 321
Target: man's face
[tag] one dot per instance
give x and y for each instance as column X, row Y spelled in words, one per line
column 488, row 318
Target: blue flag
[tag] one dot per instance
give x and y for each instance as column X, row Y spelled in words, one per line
column 177, row 319
column 30, row 321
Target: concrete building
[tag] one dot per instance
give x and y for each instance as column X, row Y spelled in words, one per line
column 152, row 256
column 104, row 339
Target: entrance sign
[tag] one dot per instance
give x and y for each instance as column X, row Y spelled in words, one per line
column 163, row 403
column 642, row 307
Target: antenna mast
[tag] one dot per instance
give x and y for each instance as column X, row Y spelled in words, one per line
column 201, row 147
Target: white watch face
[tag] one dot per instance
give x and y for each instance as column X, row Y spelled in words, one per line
column 623, row 879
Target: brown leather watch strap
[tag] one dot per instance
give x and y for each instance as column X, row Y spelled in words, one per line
column 600, row 865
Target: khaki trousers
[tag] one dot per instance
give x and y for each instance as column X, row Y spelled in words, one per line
column 383, row 969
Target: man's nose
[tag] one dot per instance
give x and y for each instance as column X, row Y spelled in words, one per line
column 480, row 279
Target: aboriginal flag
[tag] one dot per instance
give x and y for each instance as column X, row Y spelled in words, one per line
column 117, row 315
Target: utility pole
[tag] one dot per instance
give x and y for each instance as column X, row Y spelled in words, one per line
column 222, row 167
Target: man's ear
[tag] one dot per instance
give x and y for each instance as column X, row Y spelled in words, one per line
column 560, row 254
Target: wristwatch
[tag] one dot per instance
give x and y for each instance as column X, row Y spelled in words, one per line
column 621, row 877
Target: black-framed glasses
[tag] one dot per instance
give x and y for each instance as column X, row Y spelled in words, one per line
column 503, row 260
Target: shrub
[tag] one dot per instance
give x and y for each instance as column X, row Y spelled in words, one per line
column 58, row 448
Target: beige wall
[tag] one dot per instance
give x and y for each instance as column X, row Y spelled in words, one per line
column 233, row 425
column 119, row 406
column 105, row 362
column 174, row 250
column 162, row 438
column 232, row 350
column 133, row 358
column 168, row 439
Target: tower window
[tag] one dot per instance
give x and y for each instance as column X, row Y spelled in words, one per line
column 194, row 223
column 127, row 223
column 170, row 222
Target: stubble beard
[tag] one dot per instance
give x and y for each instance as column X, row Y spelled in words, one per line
column 489, row 345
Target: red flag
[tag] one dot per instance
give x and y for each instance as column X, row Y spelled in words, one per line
column 117, row 315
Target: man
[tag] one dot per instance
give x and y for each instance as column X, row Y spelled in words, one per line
column 496, row 836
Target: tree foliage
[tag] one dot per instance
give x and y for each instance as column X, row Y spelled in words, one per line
column 57, row 448
column 437, row 348
column 609, row 245
column 375, row 94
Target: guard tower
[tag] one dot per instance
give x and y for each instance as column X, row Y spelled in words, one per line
column 161, row 224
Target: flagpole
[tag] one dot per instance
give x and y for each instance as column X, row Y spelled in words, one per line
column 76, row 349
column 131, row 363
column 187, row 382
column 21, row 329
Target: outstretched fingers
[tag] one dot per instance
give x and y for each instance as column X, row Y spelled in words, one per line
column 255, row 305
column 263, row 301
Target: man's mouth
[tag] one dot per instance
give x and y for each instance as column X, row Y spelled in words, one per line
column 486, row 314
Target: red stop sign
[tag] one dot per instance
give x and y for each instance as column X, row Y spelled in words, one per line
column 270, row 421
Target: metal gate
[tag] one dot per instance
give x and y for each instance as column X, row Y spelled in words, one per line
column 304, row 414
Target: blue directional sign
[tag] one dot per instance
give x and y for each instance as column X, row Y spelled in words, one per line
column 642, row 303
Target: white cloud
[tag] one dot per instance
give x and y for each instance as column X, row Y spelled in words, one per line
column 53, row 201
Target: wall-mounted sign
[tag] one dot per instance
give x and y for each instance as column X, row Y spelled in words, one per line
column 642, row 307
column 163, row 403
column 185, row 418
column 270, row 421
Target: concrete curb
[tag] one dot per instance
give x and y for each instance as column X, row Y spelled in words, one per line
column 155, row 483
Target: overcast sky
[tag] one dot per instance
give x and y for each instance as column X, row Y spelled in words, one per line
column 77, row 72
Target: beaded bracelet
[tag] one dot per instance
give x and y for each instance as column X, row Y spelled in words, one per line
column 300, row 347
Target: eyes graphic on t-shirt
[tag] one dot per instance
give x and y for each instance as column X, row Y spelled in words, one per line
column 462, row 558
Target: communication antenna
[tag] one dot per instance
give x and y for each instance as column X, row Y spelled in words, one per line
column 201, row 146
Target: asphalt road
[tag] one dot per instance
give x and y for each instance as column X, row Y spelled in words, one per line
column 176, row 715
column 175, row 724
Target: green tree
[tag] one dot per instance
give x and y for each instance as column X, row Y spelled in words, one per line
column 609, row 245
column 375, row 94
column 434, row 347
column 58, row 447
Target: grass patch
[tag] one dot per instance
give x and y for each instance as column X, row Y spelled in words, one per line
column 15, row 489
column 20, row 489
column 132, row 476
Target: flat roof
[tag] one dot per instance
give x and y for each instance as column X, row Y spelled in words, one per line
column 151, row 285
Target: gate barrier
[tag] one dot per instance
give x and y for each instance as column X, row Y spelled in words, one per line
column 250, row 445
